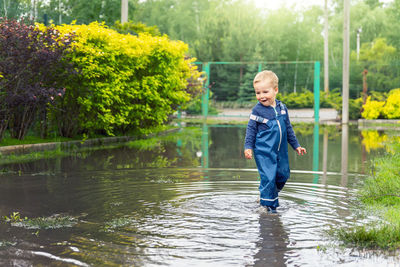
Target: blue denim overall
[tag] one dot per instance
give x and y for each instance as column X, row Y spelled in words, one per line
column 271, row 155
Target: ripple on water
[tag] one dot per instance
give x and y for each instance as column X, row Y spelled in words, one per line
column 203, row 222
column 222, row 222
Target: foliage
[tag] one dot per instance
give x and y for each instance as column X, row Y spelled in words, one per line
column 194, row 107
column 372, row 109
column 29, row 157
column 298, row 100
column 14, row 217
column 391, row 109
column 355, row 107
column 30, row 138
column 32, row 71
column 135, row 28
column 52, row 222
column 388, row 109
column 333, row 99
column 224, row 31
column 377, row 58
column 380, row 196
column 125, row 82
column 375, row 235
column 118, row 223
column 378, row 96
column 246, row 89
column 384, row 184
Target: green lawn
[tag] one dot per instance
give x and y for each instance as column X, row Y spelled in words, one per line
column 8, row 141
column 379, row 196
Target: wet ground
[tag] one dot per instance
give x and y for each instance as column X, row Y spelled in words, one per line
column 189, row 198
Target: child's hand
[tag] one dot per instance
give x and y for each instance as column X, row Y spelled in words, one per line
column 248, row 153
column 301, row 151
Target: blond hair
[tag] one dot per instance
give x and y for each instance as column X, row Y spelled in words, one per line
column 267, row 75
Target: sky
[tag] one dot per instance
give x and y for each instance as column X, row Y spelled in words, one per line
column 276, row 4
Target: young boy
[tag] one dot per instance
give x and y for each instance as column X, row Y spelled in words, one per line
column 268, row 133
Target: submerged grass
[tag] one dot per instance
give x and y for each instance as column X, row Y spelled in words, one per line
column 52, row 222
column 47, row 154
column 5, row 244
column 118, row 223
column 380, row 196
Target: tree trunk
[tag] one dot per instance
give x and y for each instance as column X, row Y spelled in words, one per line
column 365, row 86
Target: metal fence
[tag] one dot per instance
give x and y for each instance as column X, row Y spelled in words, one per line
column 233, row 81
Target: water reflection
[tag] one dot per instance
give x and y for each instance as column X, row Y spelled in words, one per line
column 316, row 152
column 273, row 242
column 345, row 154
column 189, row 198
column 220, row 146
column 204, row 145
column 325, row 158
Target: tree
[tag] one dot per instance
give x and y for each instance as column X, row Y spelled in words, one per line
column 31, row 73
column 377, row 57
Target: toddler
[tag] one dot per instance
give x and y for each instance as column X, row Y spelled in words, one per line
column 267, row 136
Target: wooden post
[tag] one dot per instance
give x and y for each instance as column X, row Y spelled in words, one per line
column 326, row 50
column 365, row 86
column 124, row 11
column 346, row 62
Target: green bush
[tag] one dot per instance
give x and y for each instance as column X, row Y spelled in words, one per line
column 355, row 106
column 298, row 100
column 332, row 99
column 194, row 107
column 124, row 83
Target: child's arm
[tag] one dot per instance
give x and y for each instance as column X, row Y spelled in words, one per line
column 291, row 136
column 250, row 139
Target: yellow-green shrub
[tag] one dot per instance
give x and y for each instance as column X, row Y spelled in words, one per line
column 123, row 82
column 391, row 109
column 372, row 109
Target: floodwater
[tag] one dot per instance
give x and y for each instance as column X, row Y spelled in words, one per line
column 188, row 199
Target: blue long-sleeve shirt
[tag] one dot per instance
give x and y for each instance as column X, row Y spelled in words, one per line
column 253, row 127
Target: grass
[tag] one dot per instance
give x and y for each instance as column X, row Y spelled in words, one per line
column 8, row 141
column 47, row 154
column 379, row 196
column 374, row 236
column 32, row 138
column 52, row 222
column 118, row 223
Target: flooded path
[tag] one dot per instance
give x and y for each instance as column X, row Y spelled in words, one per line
column 189, row 198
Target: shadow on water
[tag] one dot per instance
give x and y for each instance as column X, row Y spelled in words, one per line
column 273, row 242
column 188, row 198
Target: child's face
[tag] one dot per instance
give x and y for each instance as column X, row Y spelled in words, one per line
column 266, row 93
